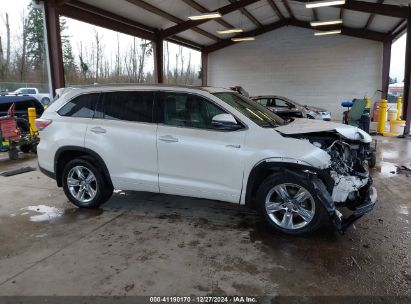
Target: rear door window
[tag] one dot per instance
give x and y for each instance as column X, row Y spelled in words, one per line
column 81, row 106
column 129, row 105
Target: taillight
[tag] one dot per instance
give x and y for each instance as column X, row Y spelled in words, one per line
column 41, row 124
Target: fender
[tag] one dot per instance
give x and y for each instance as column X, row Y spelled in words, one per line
column 93, row 154
column 267, row 167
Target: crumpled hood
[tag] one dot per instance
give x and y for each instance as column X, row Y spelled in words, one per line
column 303, row 126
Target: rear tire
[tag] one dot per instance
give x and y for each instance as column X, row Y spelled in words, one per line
column 25, row 148
column 13, row 153
column 85, row 184
column 289, row 204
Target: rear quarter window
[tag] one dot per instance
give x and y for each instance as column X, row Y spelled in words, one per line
column 81, row 106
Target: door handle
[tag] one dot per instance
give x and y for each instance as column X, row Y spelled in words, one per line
column 234, row 146
column 168, row 139
column 98, row 130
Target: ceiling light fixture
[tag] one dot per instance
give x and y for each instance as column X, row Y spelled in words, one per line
column 324, row 3
column 241, row 39
column 230, row 31
column 327, row 33
column 213, row 15
column 320, row 23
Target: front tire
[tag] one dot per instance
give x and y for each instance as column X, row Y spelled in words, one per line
column 84, row 184
column 288, row 204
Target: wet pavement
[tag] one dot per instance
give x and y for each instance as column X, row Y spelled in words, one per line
column 150, row 244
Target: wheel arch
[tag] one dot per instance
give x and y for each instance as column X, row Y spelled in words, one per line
column 68, row 153
column 265, row 168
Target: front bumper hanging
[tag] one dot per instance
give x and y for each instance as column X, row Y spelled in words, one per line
column 364, row 204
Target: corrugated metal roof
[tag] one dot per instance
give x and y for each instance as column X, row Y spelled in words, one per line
column 261, row 10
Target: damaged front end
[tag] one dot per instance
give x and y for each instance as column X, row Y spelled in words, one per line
column 352, row 184
column 349, row 190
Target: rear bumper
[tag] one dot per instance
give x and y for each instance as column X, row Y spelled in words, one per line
column 47, row 173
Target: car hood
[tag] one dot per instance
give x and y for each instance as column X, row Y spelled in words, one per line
column 303, row 126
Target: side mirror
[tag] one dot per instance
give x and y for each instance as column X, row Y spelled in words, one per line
column 225, row 122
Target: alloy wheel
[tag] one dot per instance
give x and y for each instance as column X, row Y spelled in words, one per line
column 82, row 184
column 290, row 206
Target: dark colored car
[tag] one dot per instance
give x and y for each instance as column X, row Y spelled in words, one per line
column 22, row 103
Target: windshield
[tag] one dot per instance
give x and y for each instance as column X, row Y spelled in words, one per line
column 254, row 111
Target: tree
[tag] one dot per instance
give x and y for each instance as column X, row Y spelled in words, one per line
column 5, row 62
column 35, row 38
column 392, row 80
column 98, row 55
column 24, row 48
column 66, row 48
column 83, row 65
column 146, row 50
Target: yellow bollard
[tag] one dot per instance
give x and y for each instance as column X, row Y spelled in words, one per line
column 399, row 107
column 367, row 102
column 32, row 117
column 382, row 116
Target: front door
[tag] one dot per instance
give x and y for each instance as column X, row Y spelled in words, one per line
column 194, row 158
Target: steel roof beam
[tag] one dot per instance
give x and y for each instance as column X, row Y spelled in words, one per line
column 246, row 13
column 204, row 10
column 348, row 31
column 168, row 16
column 373, row 8
column 189, row 24
column 371, row 18
column 276, row 9
column 256, row 32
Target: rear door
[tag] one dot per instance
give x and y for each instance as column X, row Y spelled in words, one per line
column 124, row 135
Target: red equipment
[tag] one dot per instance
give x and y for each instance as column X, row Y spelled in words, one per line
column 8, row 125
column 8, row 129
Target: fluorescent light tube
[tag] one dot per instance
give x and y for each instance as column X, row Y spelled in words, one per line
column 327, row 33
column 324, row 3
column 241, row 39
column 205, row 16
column 320, row 23
column 230, row 31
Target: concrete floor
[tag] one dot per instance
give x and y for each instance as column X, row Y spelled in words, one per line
column 146, row 244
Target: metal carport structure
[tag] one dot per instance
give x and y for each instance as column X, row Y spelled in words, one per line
column 377, row 20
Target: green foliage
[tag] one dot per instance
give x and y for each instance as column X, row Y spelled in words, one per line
column 392, row 80
column 35, row 38
column 35, row 41
column 67, row 50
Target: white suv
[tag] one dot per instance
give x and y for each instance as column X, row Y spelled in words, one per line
column 209, row 143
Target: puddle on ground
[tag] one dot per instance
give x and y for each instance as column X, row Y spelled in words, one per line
column 43, row 213
column 386, row 168
column 403, row 209
column 119, row 192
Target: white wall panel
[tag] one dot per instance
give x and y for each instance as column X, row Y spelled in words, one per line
column 294, row 63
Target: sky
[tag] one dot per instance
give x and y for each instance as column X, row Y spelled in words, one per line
column 79, row 32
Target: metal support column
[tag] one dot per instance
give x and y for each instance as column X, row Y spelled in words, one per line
column 53, row 40
column 386, row 62
column 204, row 68
column 159, row 58
column 407, row 77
